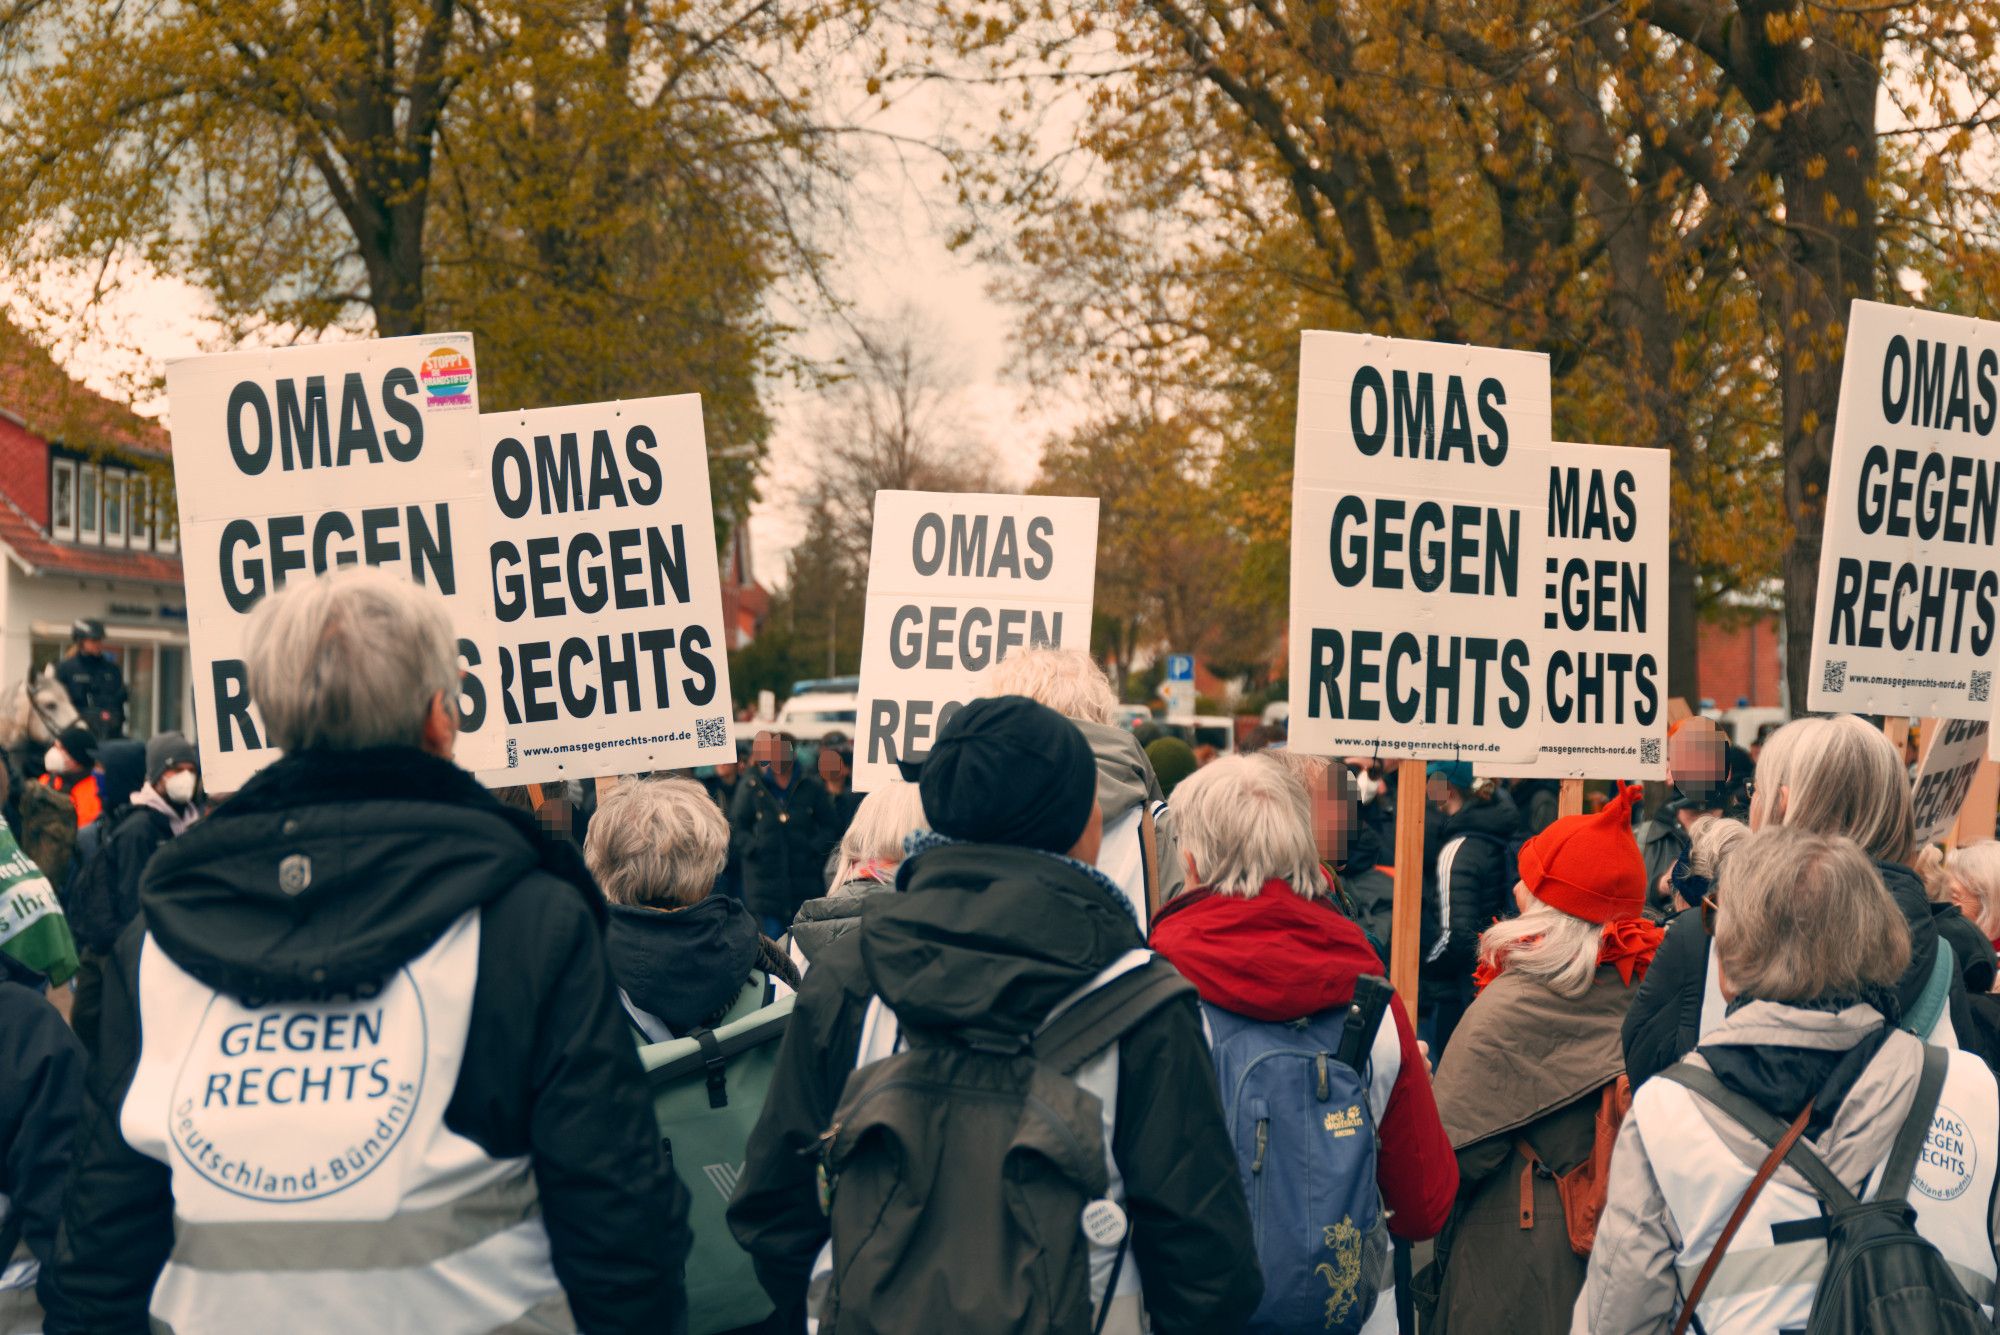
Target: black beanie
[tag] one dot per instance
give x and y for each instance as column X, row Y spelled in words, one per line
column 81, row 744
column 1009, row 771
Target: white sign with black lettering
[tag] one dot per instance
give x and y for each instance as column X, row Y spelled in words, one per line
column 612, row 654
column 293, row 461
column 1418, row 532
column 1909, row 567
column 1605, row 597
column 1944, row 777
column 955, row 584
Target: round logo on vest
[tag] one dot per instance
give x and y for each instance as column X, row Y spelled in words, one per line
column 298, row 1101
column 1946, row 1163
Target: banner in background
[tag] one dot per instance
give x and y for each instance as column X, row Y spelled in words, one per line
column 1909, row 568
column 956, row 582
column 1418, row 531
column 294, row 461
column 612, row 654
column 1604, row 712
column 1944, row 776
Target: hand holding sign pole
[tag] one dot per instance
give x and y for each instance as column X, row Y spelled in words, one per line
column 1419, row 491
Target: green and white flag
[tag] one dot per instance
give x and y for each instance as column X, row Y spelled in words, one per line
column 32, row 927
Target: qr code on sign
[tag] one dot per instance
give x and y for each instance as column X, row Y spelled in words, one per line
column 1649, row 750
column 711, row 732
column 1982, row 687
column 1835, row 679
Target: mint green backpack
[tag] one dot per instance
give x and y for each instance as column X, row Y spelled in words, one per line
column 708, row 1090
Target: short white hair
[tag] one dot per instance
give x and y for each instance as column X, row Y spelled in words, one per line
column 1557, row 949
column 1977, row 868
column 1709, row 843
column 1245, row 820
column 1068, row 681
column 349, row 660
column 657, row 841
column 885, row 818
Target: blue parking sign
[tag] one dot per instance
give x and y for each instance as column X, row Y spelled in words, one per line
column 1180, row 667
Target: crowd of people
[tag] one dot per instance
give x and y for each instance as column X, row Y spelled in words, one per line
column 1068, row 1031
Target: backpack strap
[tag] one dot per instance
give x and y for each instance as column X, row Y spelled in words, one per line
column 1149, row 853
column 1930, row 1003
column 1901, row 1166
column 1103, row 1015
column 1736, row 1217
column 1767, row 1129
column 1364, row 1018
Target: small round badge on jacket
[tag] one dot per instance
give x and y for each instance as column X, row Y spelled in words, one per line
column 1104, row 1222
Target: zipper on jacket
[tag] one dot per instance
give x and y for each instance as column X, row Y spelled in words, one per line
column 1325, row 1089
column 1263, row 1143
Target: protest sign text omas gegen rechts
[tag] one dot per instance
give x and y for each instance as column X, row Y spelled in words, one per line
column 1605, row 599
column 612, row 655
column 1418, row 532
column 955, row 584
column 294, row 461
column 1909, row 573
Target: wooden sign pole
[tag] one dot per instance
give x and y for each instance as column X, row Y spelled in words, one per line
column 1975, row 818
column 1896, row 727
column 1569, row 800
column 1406, row 918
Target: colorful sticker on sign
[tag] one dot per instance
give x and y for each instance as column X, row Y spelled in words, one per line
column 447, row 378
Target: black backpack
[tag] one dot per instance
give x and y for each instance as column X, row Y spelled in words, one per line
column 1882, row 1277
column 956, row 1172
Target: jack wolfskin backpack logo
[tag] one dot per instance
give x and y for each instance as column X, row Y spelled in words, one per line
column 295, row 873
column 298, row 1101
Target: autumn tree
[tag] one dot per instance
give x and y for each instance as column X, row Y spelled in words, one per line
column 606, row 193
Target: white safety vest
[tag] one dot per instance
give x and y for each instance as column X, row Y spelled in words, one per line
column 1766, row 1280
column 881, row 1035
column 316, row 1187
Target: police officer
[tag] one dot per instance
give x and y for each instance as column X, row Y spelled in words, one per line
column 95, row 684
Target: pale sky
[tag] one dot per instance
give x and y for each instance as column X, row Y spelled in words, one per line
column 894, row 256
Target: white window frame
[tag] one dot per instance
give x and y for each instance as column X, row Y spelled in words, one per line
column 60, row 469
column 90, row 477
column 164, row 542
column 139, row 511
column 116, row 481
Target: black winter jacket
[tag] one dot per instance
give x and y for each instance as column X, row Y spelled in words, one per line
column 103, row 896
column 41, row 1091
column 403, row 845
column 97, row 688
column 1370, row 889
column 1664, row 1021
column 687, row 967
column 991, row 936
column 782, row 841
column 1474, row 883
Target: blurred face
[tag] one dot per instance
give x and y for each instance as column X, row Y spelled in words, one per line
column 93, row 646
column 771, row 751
column 832, row 769
column 1333, row 813
column 1697, row 758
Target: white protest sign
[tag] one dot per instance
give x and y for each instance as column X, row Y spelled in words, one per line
column 1944, row 776
column 956, row 582
column 611, row 648
column 1418, row 530
column 1909, row 569
column 1604, row 694
column 294, row 461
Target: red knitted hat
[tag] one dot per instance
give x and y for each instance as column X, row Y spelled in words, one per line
column 1590, row 867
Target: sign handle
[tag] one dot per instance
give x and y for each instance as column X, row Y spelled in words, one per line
column 535, row 795
column 1975, row 818
column 1406, row 917
column 1569, row 800
column 1896, row 727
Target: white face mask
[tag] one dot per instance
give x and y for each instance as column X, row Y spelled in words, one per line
column 180, row 787
column 57, row 761
column 1367, row 787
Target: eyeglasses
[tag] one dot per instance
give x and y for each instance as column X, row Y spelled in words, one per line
column 1709, row 908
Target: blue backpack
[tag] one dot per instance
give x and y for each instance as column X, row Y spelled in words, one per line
column 1295, row 1095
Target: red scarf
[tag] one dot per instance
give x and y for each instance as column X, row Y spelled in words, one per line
column 1627, row 945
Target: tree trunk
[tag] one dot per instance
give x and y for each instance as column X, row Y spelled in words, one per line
column 1683, row 630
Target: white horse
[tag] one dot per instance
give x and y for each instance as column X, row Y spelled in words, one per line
column 34, row 711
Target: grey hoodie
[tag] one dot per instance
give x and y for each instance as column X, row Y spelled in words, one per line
column 1631, row 1288
column 1125, row 779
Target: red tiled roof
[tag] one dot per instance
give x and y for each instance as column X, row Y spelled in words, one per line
column 34, row 389
column 43, row 556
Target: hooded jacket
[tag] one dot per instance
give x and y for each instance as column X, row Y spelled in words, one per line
column 986, row 938
column 1368, row 877
column 1474, row 883
column 1125, row 781
column 41, row 1091
column 684, row 968
column 1665, row 1020
column 1276, row 957
column 1861, row 1075
column 823, row 921
column 329, row 882
column 781, row 839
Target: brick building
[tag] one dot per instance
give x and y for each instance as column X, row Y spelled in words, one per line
column 1742, row 656
column 88, row 529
